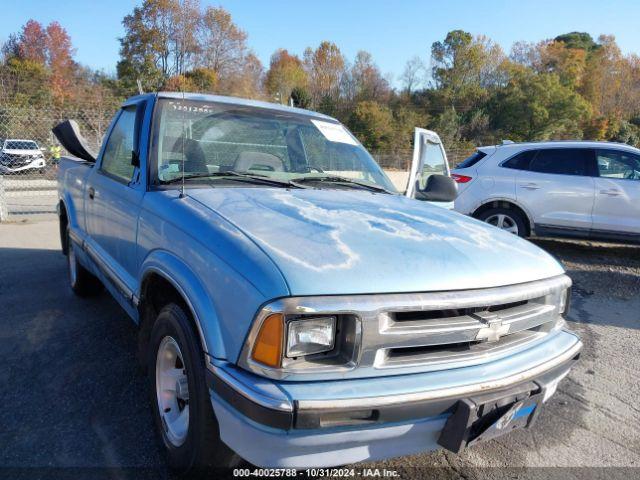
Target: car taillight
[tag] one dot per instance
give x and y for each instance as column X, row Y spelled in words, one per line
column 461, row 178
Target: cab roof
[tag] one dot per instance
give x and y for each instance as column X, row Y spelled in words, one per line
column 203, row 97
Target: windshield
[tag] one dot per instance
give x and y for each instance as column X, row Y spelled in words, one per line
column 224, row 138
column 20, row 145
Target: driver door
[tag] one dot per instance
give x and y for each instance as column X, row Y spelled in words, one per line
column 617, row 204
column 429, row 158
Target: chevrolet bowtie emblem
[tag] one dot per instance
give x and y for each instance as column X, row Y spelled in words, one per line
column 494, row 329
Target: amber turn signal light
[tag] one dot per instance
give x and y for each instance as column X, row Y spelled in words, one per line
column 267, row 348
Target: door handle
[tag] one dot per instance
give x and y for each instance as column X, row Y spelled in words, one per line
column 611, row 193
column 92, row 192
column 530, row 186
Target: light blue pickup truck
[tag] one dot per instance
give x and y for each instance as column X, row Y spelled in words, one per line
column 294, row 310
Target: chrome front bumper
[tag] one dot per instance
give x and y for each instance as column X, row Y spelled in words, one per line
column 294, row 406
column 322, row 424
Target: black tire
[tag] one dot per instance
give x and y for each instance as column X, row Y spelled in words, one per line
column 82, row 282
column 512, row 217
column 202, row 449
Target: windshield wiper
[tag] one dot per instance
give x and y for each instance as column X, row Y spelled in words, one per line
column 239, row 176
column 342, row 180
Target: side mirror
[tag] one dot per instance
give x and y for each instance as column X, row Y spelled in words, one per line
column 439, row 188
column 68, row 134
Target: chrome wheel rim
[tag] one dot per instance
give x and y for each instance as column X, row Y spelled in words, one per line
column 71, row 260
column 503, row 222
column 172, row 391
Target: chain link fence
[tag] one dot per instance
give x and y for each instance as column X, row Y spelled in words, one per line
column 29, row 156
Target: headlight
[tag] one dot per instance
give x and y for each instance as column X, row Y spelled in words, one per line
column 290, row 338
column 311, row 335
column 565, row 302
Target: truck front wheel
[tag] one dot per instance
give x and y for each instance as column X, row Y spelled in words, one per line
column 82, row 282
column 180, row 398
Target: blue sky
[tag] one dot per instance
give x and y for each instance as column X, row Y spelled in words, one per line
column 393, row 31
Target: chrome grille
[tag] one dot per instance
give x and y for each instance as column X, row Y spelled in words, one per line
column 429, row 331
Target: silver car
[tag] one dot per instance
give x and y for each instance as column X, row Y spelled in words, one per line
column 570, row 189
column 20, row 156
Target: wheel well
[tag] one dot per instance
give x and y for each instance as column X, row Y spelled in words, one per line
column 156, row 292
column 504, row 204
column 63, row 222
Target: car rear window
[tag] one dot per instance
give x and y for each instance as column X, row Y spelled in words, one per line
column 472, row 160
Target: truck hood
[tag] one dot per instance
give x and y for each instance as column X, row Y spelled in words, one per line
column 329, row 242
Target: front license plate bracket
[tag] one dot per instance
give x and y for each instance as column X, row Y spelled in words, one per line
column 481, row 419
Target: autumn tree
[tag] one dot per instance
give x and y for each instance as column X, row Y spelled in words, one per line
column 160, row 41
column 223, row 46
column 47, row 52
column 33, row 42
column 60, row 60
column 611, row 81
column 286, row 72
column 247, row 81
column 367, row 83
column 325, row 67
column 413, row 74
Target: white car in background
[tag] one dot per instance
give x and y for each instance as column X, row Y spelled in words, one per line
column 569, row 189
column 17, row 155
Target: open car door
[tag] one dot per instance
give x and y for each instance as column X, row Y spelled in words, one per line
column 429, row 158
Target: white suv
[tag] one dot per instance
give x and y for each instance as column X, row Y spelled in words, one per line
column 577, row 189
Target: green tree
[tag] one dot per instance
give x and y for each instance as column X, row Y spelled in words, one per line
column 577, row 40
column 301, row 97
column 464, row 68
column 538, row 107
column 203, row 79
column 372, row 123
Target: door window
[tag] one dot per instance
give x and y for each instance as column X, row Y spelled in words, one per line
column 433, row 162
column 562, row 161
column 116, row 159
column 521, row 161
column 618, row 164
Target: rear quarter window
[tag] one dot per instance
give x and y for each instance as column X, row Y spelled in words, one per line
column 472, row 160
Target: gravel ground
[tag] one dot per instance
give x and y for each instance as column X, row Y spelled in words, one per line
column 75, row 405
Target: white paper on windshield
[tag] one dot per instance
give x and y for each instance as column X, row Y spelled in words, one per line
column 334, row 132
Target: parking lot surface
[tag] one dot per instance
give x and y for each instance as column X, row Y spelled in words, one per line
column 74, row 398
